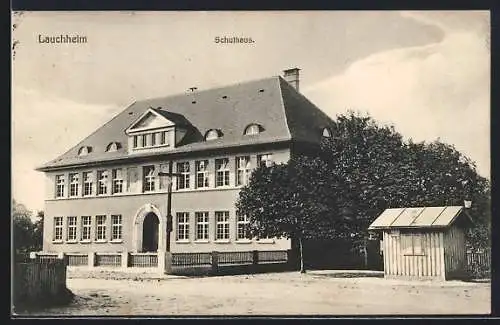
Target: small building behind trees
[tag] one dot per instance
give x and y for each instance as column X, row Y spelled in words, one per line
column 423, row 242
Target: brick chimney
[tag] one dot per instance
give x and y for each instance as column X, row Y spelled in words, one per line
column 292, row 77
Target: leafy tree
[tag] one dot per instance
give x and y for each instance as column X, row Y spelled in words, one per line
column 362, row 169
column 282, row 201
column 27, row 235
column 38, row 232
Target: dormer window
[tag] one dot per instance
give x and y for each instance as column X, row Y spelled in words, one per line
column 327, row 133
column 85, row 150
column 213, row 134
column 113, row 146
column 253, row 129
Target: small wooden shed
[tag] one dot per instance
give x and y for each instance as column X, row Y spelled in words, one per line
column 423, row 242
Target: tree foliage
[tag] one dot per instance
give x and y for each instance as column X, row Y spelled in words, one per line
column 27, row 235
column 362, row 169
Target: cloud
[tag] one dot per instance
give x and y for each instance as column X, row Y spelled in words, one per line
column 437, row 90
column 42, row 125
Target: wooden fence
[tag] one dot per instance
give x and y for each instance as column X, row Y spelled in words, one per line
column 479, row 263
column 143, row 260
column 39, row 282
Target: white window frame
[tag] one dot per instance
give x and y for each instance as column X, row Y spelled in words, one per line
column 148, row 178
column 88, row 183
column 183, row 179
column 265, row 159
column 102, row 182
column 116, row 227
column 222, row 229
column 252, row 129
column 202, row 225
column 182, row 223
column 412, row 244
column 60, row 182
column 243, row 170
column 117, row 183
column 74, row 179
column 242, row 221
column 58, row 229
column 222, row 172
column 100, row 228
column 71, row 227
column 86, row 230
column 201, row 167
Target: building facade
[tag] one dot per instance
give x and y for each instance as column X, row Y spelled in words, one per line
column 108, row 193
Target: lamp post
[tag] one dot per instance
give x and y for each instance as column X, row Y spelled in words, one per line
column 170, row 174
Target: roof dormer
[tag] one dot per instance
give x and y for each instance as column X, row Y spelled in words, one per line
column 85, row 150
column 156, row 129
column 213, row 134
column 253, row 129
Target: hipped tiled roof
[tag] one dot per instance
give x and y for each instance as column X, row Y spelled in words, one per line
column 284, row 114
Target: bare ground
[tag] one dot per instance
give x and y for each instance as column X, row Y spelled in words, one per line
column 291, row 293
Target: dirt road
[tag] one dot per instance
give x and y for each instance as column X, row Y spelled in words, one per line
column 291, row 293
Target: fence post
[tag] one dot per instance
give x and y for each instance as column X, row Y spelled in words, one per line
column 124, row 259
column 215, row 262
column 167, row 262
column 63, row 257
column 91, row 259
column 34, row 256
column 255, row 261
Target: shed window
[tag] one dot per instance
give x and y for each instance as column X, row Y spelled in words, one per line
column 412, row 244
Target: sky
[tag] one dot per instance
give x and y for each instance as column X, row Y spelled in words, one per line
column 426, row 73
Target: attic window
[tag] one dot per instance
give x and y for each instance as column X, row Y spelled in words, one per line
column 113, row 146
column 212, row 134
column 253, row 129
column 85, row 150
column 327, row 133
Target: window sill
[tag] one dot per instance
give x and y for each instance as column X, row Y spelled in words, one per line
column 116, row 241
column 101, row 241
column 265, row 241
column 243, row 241
column 182, row 241
column 57, row 241
column 201, row 241
column 72, row 242
column 85, row 241
column 222, row 241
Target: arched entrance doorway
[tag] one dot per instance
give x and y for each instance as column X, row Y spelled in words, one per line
column 150, row 232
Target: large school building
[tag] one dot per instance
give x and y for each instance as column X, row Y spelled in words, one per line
column 107, row 193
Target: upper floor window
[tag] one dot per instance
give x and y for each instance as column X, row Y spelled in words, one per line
column 183, row 178
column 100, row 230
column 222, row 172
column 102, row 180
column 213, row 134
column 202, row 174
column 253, row 129
column 60, row 185
column 85, row 150
column 73, row 184
column 243, row 170
column 149, row 178
column 265, row 160
column 327, row 133
column 117, row 180
column 88, row 179
column 113, row 146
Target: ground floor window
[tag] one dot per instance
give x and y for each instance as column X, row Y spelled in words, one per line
column 100, row 227
column 116, row 227
column 58, row 228
column 201, row 225
column 222, row 225
column 182, row 226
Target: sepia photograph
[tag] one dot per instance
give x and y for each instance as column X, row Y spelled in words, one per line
column 250, row 163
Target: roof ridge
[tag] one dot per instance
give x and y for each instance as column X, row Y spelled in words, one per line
column 241, row 83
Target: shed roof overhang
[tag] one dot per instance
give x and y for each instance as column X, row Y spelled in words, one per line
column 419, row 217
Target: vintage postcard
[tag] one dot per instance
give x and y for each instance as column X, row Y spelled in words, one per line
column 242, row 163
